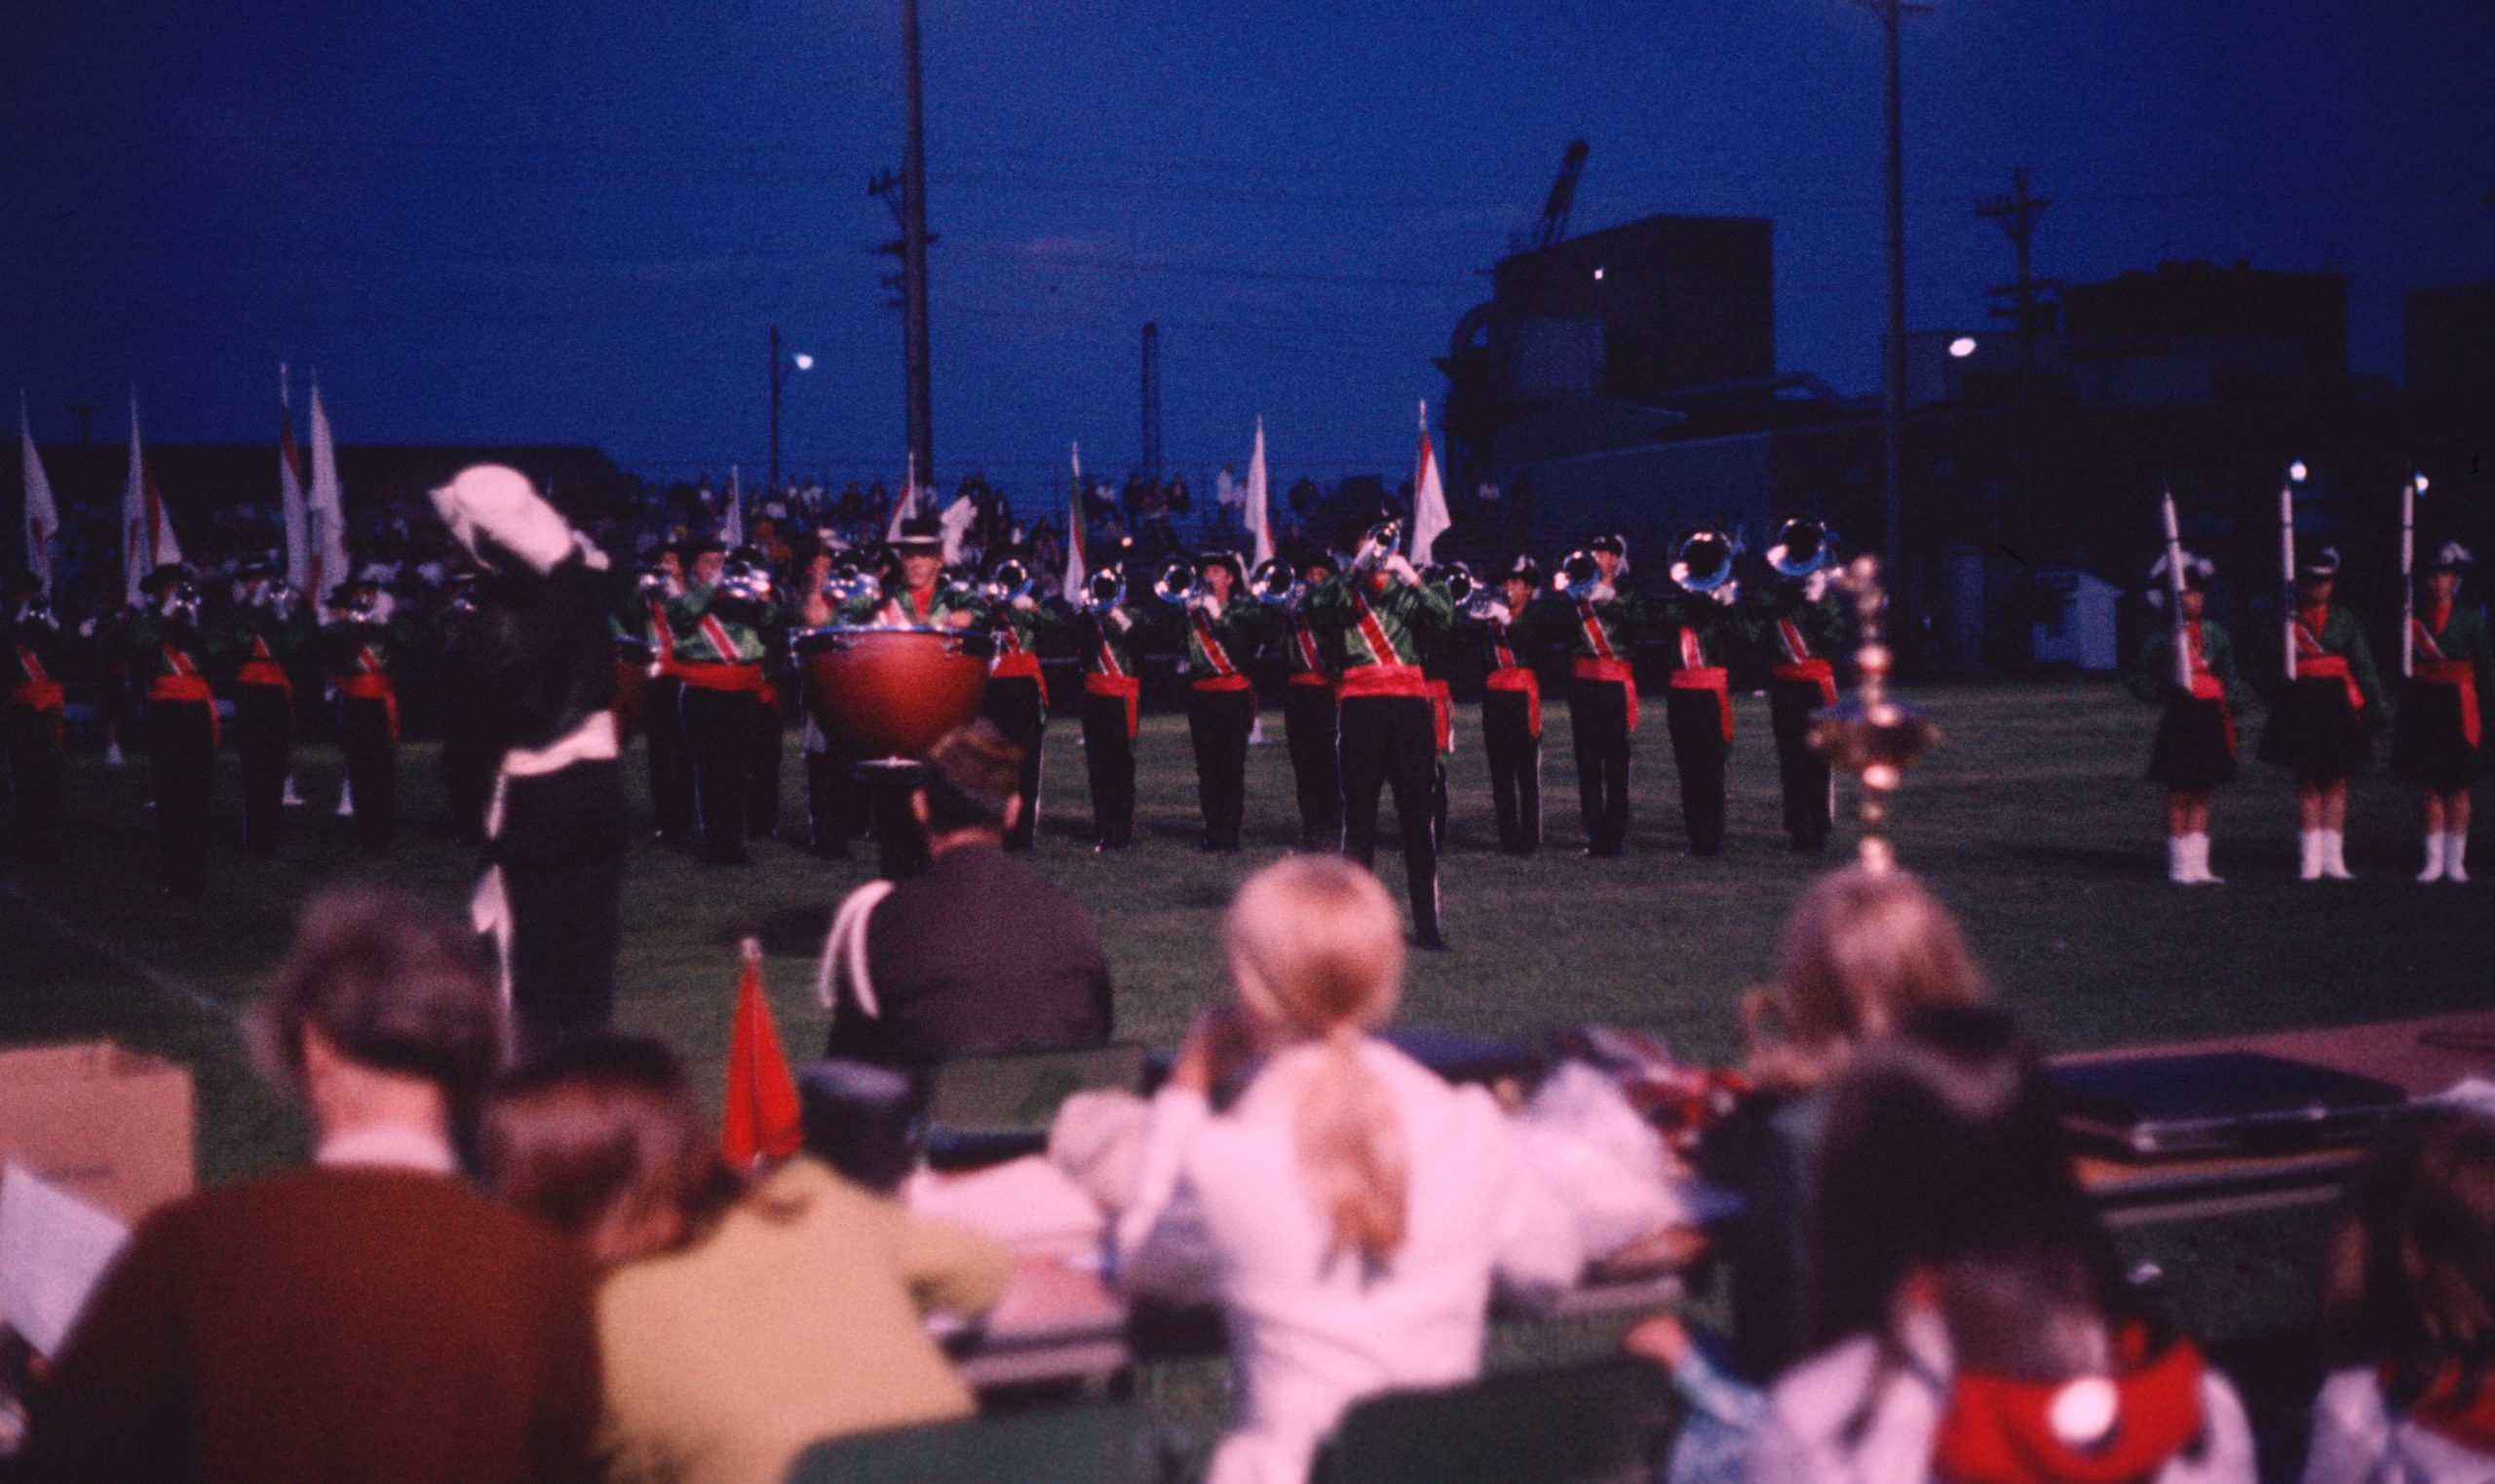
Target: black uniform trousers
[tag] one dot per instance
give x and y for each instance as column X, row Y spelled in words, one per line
column 1392, row 742
column 1598, row 720
column 1515, row 751
column 1019, row 706
column 264, row 741
column 1219, row 723
column 561, row 852
column 718, row 732
column 762, row 792
column 33, row 738
column 1108, row 757
column 670, row 761
column 1309, row 723
column 1809, row 806
column 181, row 766
column 832, row 814
column 372, row 768
column 467, row 762
column 1696, row 721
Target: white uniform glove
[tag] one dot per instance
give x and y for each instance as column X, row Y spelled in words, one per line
column 1026, row 603
column 1499, row 614
column 1603, row 593
column 1118, row 617
column 1206, row 604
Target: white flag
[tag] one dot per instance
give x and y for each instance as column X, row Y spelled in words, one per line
column 957, row 521
column 732, row 522
column 146, row 530
column 41, row 519
column 1430, row 518
column 1075, row 575
column 328, row 507
column 1260, row 508
column 290, row 488
column 907, row 504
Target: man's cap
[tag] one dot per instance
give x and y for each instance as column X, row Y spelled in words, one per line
column 2451, row 556
column 2316, row 566
column 918, row 533
column 1523, row 569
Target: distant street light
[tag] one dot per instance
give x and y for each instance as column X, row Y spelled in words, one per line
column 1962, row 347
column 779, row 370
column 802, row 361
column 2296, row 471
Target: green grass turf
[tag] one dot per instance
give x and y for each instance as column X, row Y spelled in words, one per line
column 2030, row 819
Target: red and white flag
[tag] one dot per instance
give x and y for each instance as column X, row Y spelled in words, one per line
column 1261, row 504
column 1075, row 574
column 328, row 507
column 732, row 524
column 1430, row 518
column 759, row 1117
column 42, row 518
column 907, row 504
column 146, row 529
column 290, row 488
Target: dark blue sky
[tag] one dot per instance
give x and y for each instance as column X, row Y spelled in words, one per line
column 534, row 221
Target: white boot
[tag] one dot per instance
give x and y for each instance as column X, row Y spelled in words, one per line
column 346, row 801
column 2334, row 858
column 2201, row 872
column 112, row 755
column 2309, row 855
column 2455, row 847
column 292, row 799
column 2178, row 860
column 2433, row 870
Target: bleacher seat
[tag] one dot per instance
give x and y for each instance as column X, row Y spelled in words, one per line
column 1570, row 1425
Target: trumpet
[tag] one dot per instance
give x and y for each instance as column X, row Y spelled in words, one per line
column 1378, row 543
column 1579, row 573
column 1703, row 560
column 1007, row 581
column 1801, row 547
column 1105, row 589
column 1456, row 578
column 1177, row 583
column 1273, row 581
column 847, row 586
column 960, row 582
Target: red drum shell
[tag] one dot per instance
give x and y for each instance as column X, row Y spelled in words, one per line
column 891, row 691
column 632, row 687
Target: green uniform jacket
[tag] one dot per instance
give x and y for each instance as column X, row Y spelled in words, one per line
column 2150, row 676
column 894, row 608
column 343, row 646
column 1624, row 618
column 700, row 643
column 1411, row 619
column 2465, row 636
column 1722, row 630
column 1821, row 622
column 1240, row 629
column 2342, row 634
column 257, row 635
column 147, row 637
column 1106, row 646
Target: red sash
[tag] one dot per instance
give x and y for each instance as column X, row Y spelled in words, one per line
column 721, row 640
column 1443, row 713
column 720, row 678
column 2207, row 686
column 1312, row 678
column 2314, row 662
column 1800, row 666
column 262, row 668
column 1515, row 678
column 1225, row 676
column 1385, row 680
column 1311, row 660
column 661, row 641
column 372, row 685
column 1104, row 658
column 186, row 684
column 1014, row 663
column 38, row 692
column 2433, row 669
column 1694, row 674
column 1128, row 687
column 2465, row 1414
column 1616, row 672
column 1373, row 634
column 1999, row 1428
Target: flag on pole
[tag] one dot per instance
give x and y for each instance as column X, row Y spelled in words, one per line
column 1075, row 575
column 732, row 522
column 146, row 530
column 1261, row 504
column 956, row 523
column 290, row 488
column 42, row 518
column 328, row 507
column 761, row 1116
column 1430, row 520
column 907, row 504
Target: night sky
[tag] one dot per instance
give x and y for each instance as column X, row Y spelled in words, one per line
column 524, row 221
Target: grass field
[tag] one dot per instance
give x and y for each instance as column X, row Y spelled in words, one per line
column 2030, row 820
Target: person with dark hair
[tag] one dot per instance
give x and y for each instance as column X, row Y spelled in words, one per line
column 1016, row 698
column 1971, row 1311
column 2439, row 742
column 737, row 1325
column 1310, row 707
column 719, row 622
column 367, row 1318
column 539, row 651
column 1707, row 629
column 30, row 713
column 2194, row 752
column 1607, row 624
column 1802, row 623
column 2409, row 1310
column 274, row 635
column 1109, row 643
column 169, row 646
column 2320, row 724
column 362, row 646
column 976, row 953
column 1512, row 706
column 1223, row 629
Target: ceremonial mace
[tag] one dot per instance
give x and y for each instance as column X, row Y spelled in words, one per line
column 2409, row 494
column 2287, row 568
column 1870, row 734
column 2175, row 593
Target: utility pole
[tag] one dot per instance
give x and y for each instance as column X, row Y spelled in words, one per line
column 2016, row 214
column 1152, row 401
column 907, row 195
column 1893, row 401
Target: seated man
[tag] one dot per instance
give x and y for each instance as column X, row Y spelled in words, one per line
column 368, row 1318
column 976, row 953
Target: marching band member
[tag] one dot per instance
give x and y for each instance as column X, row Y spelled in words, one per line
column 2319, row 723
column 833, row 809
column 1309, row 705
column 2194, row 750
column 541, row 647
column 173, row 653
column 2437, row 742
column 273, row 636
column 1602, row 691
column 31, row 708
column 920, row 598
column 1222, row 632
column 1697, row 709
column 717, row 623
column 1511, row 708
column 1018, row 696
column 1382, row 618
column 1803, row 624
column 468, row 756
column 663, row 719
column 359, row 648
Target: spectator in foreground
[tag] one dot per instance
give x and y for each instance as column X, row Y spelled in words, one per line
column 976, row 953
column 1974, row 1319
column 737, row 1324
column 1860, row 951
column 368, row 1318
column 1350, row 1209
column 2409, row 1310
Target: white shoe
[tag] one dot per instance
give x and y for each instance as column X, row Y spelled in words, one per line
column 2433, row 870
column 2178, row 860
column 346, row 801
column 112, row 755
column 2309, row 855
column 2455, row 850
column 2201, row 871
column 2334, row 859
column 291, row 799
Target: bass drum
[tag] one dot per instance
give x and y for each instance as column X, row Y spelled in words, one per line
column 632, row 686
column 891, row 691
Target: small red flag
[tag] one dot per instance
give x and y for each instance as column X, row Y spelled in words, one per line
column 761, row 1114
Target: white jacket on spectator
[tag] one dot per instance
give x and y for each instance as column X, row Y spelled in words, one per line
column 1812, row 1435
column 2357, row 1440
column 1221, row 1214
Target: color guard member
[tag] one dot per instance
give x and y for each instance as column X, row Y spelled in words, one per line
column 2318, row 727
column 2194, row 750
column 30, row 711
column 2438, row 741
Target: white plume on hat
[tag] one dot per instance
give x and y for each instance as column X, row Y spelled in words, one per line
column 2452, row 554
column 2196, row 569
column 489, row 502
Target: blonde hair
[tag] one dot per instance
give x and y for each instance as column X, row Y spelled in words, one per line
column 1316, row 952
column 1860, row 951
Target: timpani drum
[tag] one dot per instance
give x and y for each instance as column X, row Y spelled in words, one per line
column 879, row 693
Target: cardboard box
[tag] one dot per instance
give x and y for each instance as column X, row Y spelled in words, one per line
column 110, row 1127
